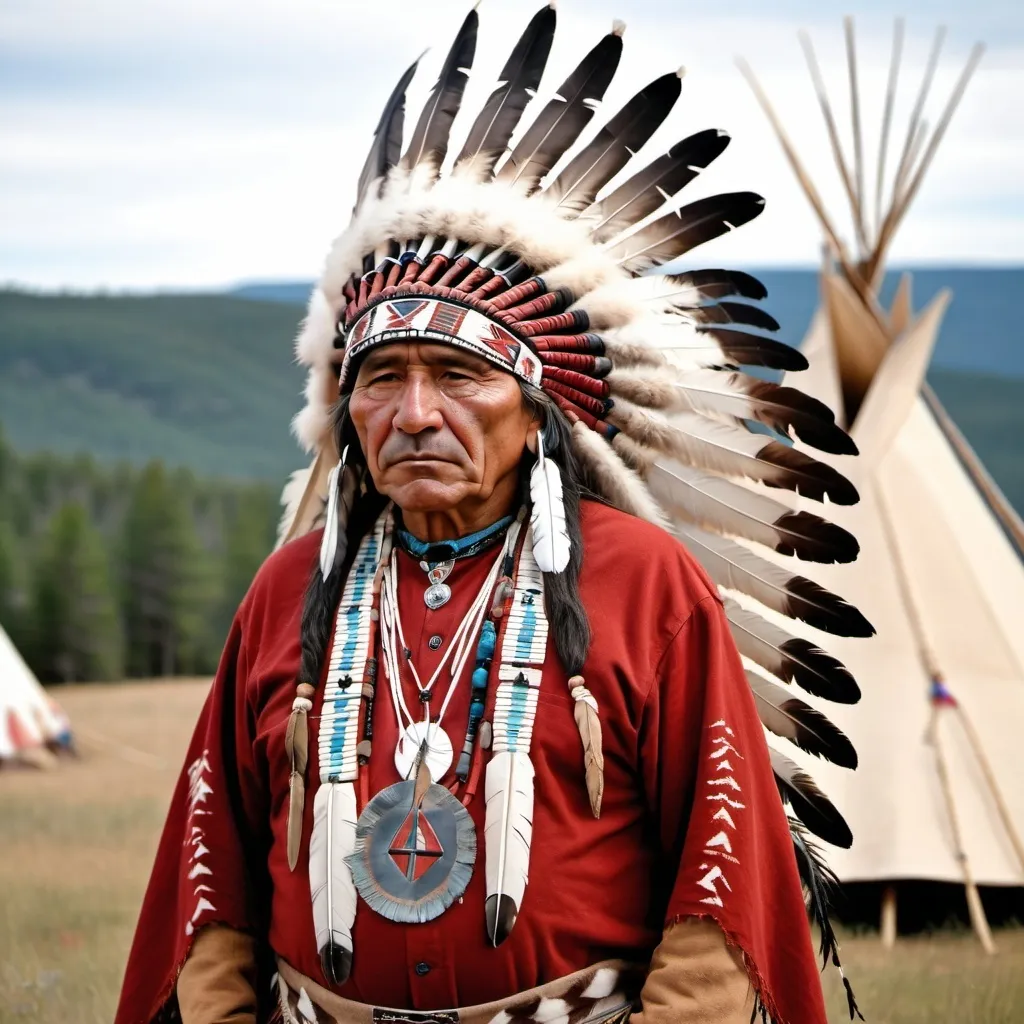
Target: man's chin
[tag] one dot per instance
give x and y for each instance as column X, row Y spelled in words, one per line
column 426, row 496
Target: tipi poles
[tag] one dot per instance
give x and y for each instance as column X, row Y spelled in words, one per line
column 890, row 101
column 930, row 664
column 858, row 143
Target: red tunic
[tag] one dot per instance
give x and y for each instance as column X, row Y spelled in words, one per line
column 691, row 822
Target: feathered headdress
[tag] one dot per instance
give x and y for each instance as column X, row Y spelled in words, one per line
column 548, row 267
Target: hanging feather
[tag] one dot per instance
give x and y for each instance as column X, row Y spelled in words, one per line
column 387, row 140
column 725, row 507
column 790, row 658
column 508, row 830
column 551, row 544
column 559, row 124
column 809, row 804
column 588, row 722
column 614, row 145
column 735, row 567
column 661, row 180
column 678, row 232
column 734, row 451
column 330, row 877
column 741, row 397
column 494, row 125
column 429, row 141
column 341, row 495
column 795, row 720
column 296, row 746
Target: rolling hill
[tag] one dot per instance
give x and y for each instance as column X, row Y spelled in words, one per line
column 208, row 381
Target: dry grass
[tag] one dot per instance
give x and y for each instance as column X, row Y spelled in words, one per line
column 76, row 846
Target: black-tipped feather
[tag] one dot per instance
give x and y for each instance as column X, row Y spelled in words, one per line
column 387, row 139
column 494, row 125
column 809, row 804
column 809, row 477
column 559, row 124
column 676, row 233
column 662, row 179
column 719, row 284
column 613, row 146
column 733, row 313
column 430, row 137
column 795, row 720
column 790, row 658
column 754, row 350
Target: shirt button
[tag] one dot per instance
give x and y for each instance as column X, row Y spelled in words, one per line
column 434, row 642
column 422, row 968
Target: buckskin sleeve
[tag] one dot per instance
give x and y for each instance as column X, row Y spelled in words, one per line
column 217, row 984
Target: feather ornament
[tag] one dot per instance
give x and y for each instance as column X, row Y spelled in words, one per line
column 429, row 142
column 676, row 233
column 809, row 803
column 649, row 189
column 508, row 831
column 330, row 877
column 518, row 81
column 790, row 658
column 735, row 567
column 725, row 507
column 720, row 284
column 296, row 745
column 614, row 145
column 737, row 347
column 588, row 722
column 342, row 484
column 387, row 141
column 795, row 720
column 559, row 124
column 551, row 544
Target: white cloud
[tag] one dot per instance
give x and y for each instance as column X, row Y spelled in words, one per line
column 194, row 144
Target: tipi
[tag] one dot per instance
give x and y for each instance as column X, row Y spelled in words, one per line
column 939, row 793
column 32, row 725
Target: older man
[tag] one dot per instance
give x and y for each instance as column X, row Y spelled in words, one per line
column 481, row 747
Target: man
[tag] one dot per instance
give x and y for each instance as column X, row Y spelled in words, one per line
column 481, row 747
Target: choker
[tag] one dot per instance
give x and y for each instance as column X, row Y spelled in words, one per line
column 460, row 547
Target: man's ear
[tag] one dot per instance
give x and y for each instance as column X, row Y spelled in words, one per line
column 532, row 433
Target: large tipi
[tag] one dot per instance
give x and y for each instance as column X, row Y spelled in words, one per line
column 939, row 793
column 31, row 723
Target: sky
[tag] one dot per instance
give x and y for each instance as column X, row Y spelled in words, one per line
column 198, row 143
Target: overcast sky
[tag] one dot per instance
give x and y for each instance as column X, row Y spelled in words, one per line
column 190, row 143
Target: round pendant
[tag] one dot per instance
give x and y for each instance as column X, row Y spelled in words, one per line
column 412, row 859
column 436, row 595
column 439, row 749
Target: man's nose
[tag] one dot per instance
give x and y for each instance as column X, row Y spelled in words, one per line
column 418, row 406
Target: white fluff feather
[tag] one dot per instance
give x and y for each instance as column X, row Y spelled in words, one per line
column 551, row 544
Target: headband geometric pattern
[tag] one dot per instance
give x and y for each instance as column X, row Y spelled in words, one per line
column 546, row 258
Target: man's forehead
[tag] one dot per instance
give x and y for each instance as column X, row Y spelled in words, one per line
column 429, row 353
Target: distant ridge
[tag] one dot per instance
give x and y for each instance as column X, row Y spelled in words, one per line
column 983, row 331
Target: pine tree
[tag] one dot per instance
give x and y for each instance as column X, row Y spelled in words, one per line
column 76, row 631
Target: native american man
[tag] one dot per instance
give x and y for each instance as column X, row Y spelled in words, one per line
column 481, row 747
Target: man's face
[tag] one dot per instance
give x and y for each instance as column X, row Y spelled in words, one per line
column 442, row 430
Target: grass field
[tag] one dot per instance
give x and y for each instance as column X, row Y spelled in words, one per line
column 76, row 845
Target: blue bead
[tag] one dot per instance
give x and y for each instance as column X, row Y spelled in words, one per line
column 479, row 678
column 486, row 644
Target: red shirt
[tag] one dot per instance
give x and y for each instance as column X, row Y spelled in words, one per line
column 662, row 665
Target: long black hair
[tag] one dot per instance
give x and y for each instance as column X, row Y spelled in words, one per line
column 570, row 628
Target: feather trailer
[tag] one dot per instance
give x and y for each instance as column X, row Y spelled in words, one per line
column 676, row 233
column 729, row 508
column 795, row 720
column 519, row 78
column 508, row 830
column 551, row 544
column 734, row 451
column 788, row 411
column 649, row 189
column 790, row 658
column 430, row 138
column 735, row 567
column 330, row 877
column 614, row 145
column 559, row 124
column 387, row 141
column 809, row 804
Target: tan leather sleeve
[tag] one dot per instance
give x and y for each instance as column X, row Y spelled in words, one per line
column 217, row 982
column 696, row 977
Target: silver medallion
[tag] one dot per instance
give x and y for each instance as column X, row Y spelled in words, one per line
column 436, row 595
column 414, row 853
column 439, row 749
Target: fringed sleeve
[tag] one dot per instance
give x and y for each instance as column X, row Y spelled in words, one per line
column 210, row 864
column 722, row 828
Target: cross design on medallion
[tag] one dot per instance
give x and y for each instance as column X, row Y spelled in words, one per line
column 416, row 843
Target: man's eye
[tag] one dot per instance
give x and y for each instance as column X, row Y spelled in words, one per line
column 455, row 375
column 385, row 377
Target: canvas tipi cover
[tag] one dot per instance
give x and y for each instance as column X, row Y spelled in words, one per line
column 30, row 721
column 939, row 791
